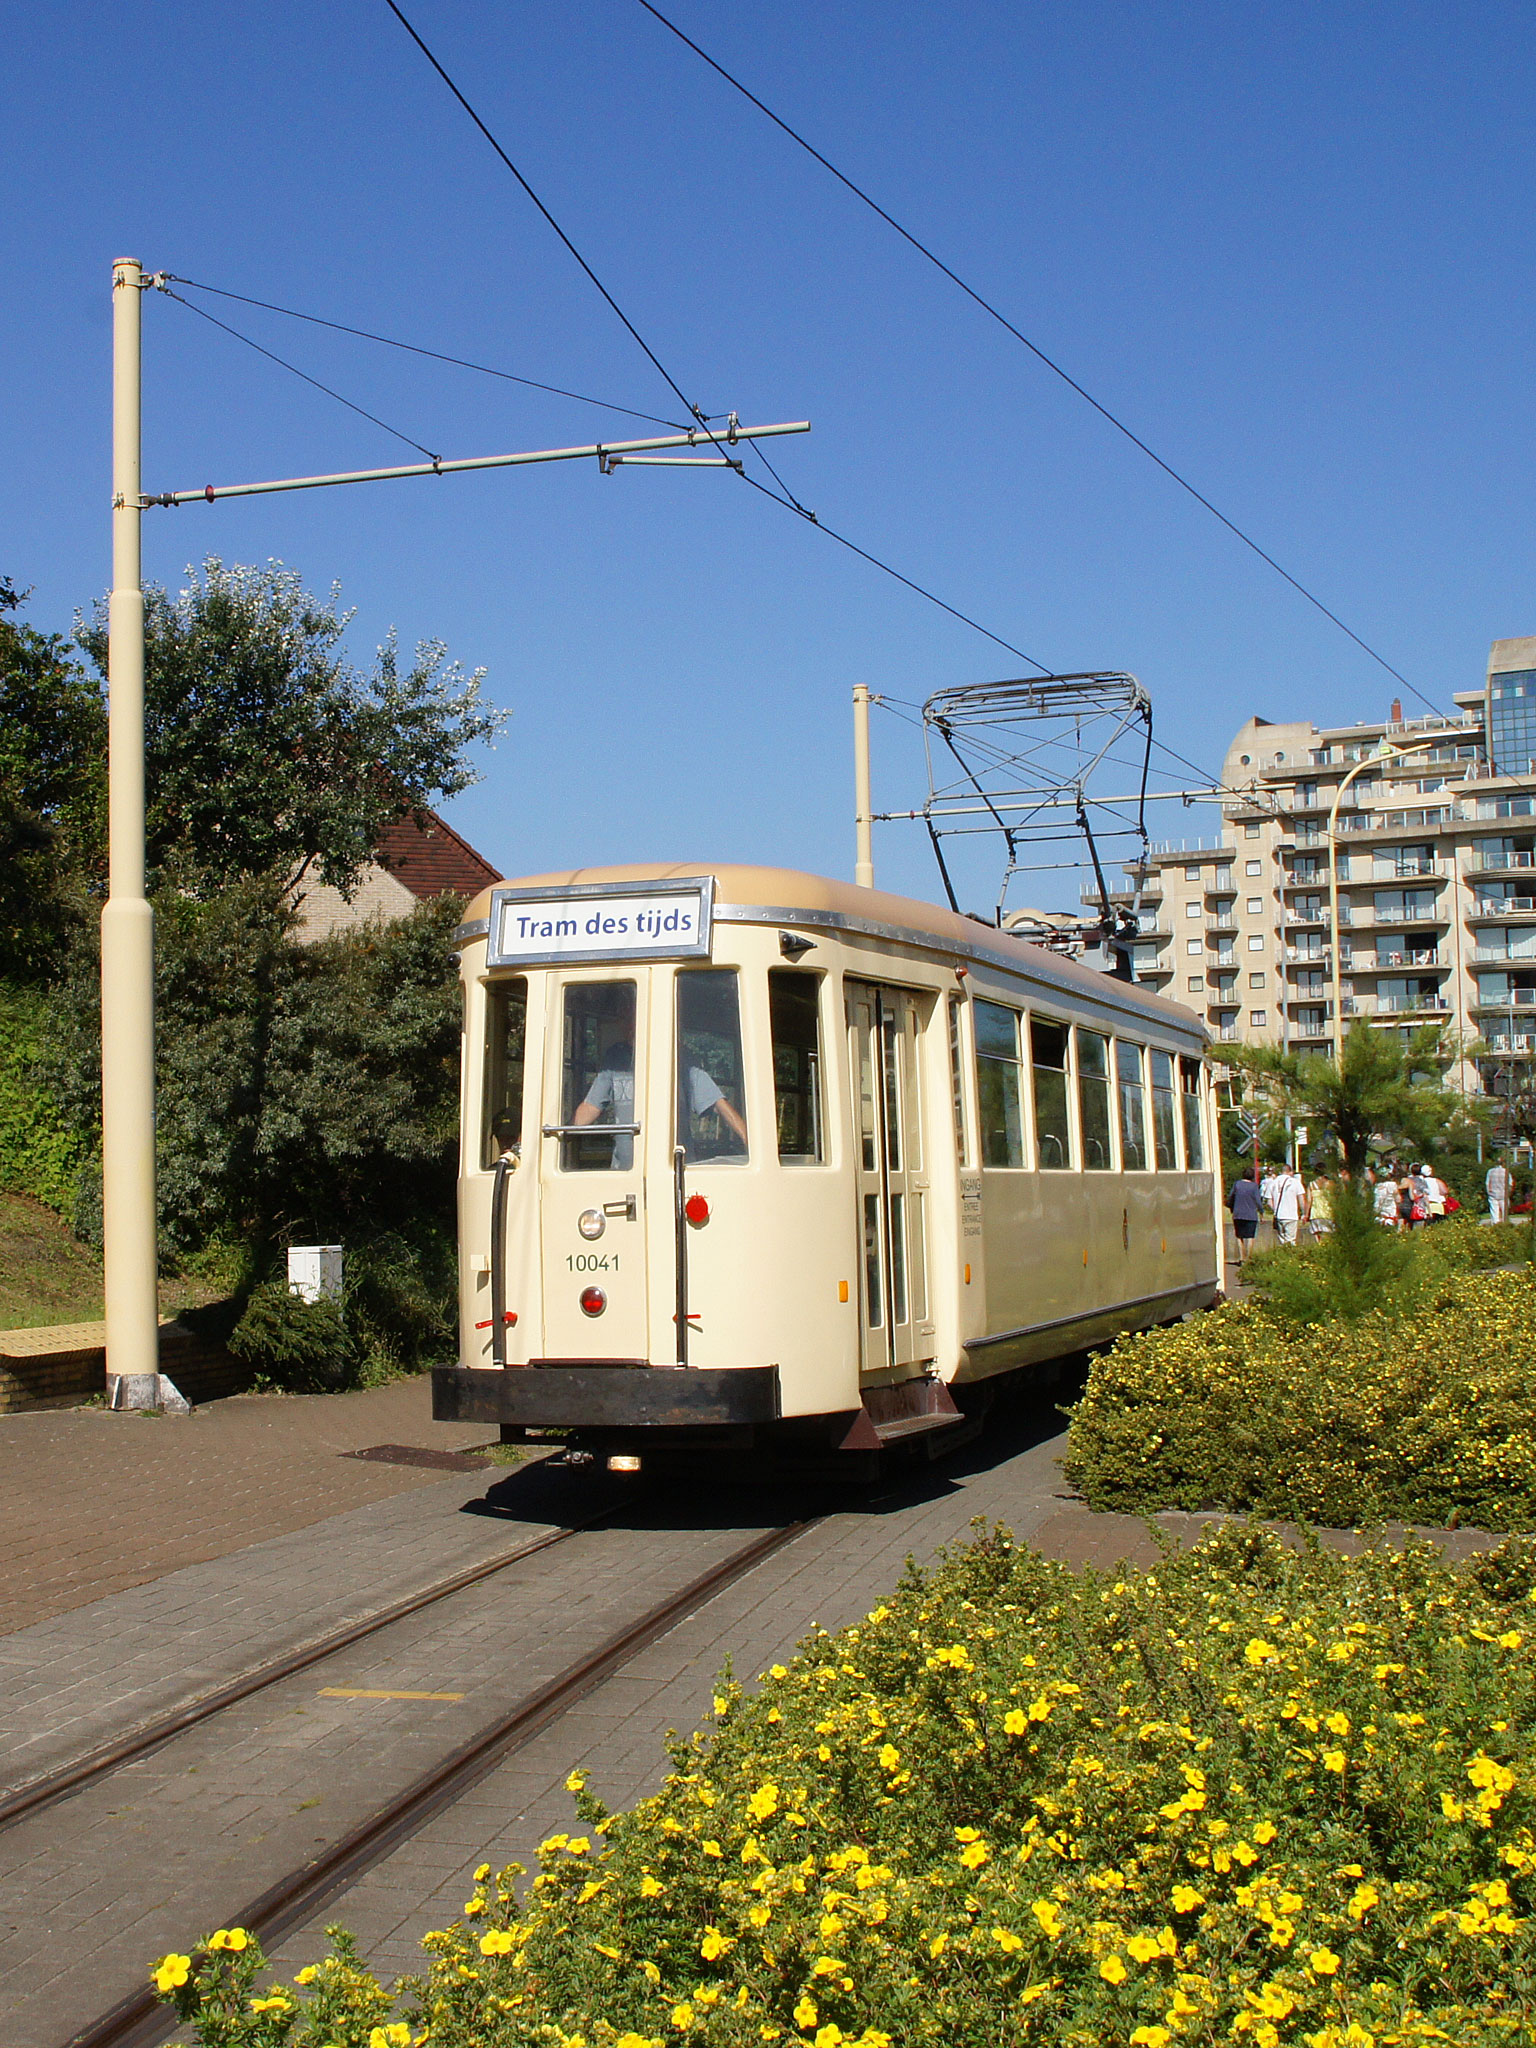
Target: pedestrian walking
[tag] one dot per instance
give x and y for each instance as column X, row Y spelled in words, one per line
column 1435, row 1194
column 1496, row 1185
column 1320, row 1206
column 1385, row 1200
column 1289, row 1203
column 1245, row 1201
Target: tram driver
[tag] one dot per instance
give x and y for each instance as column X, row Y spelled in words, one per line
column 613, row 1091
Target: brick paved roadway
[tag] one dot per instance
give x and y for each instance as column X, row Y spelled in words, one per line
column 91, row 1502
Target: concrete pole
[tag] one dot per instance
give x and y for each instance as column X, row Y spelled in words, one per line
column 127, row 923
column 864, row 852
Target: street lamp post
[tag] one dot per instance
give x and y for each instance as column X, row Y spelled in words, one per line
column 1389, row 750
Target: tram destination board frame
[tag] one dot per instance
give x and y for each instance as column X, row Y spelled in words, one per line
column 589, row 921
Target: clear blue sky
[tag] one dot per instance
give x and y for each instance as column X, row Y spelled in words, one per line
column 1292, row 245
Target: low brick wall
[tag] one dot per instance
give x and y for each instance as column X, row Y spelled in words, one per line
column 66, row 1365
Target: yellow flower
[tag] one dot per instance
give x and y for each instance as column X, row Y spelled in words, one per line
column 496, row 1941
column 234, row 1939
column 396, row 2035
column 1031, row 1992
column 939, row 1943
column 974, row 1854
column 682, row 2017
column 632, row 2040
column 777, row 1671
column 649, row 1888
column 714, row 1944
column 1186, row 1899
column 712, row 1849
column 1006, row 1940
column 805, row 2012
column 171, row 1972
column 1322, row 1962
column 1112, row 1970
column 482, row 1873
column 472, row 1907
column 825, row 1966
column 829, row 2036
column 889, row 1757
column 576, row 1782
column 1141, row 1948
column 1048, row 1913
column 276, row 2003
column 1260, row 1652
column 1015, row 1721
column 1333, row 1760
column 764, row 1801
column 1365, row 1896
column 1273, row 2000
column 1452, row 1808
column 1265, row 1832
column 578, row 1845
column 1151, row 2037
column 1510, row 1640
column 1337, row 1724
column 307, row 1975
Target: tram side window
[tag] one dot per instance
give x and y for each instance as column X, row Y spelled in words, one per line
column 711, row 1098
column 1194, row 1145
column 1133, row 1108
column 794, row 1018
column 957, row 1083
column 597, row 1080
column 999, row 1090
column 1048, row 1058
column 1093, row 1100
column 1163, row 1113
column 506, row 1027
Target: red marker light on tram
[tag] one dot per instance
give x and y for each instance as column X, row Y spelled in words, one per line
column 593, row 1301
column 696, row 1209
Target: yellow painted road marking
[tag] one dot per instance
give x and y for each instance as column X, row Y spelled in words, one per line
column 348, row 1692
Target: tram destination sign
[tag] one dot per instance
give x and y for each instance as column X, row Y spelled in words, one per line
column 601, row 921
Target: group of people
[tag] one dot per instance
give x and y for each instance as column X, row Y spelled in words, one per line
column 1404, row 1198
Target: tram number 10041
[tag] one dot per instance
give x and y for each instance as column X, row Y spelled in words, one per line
column 592, row 1262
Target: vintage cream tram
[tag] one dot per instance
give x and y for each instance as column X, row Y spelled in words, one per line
column 754, row 1158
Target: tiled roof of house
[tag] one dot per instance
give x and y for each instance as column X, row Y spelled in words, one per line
column 431, row 859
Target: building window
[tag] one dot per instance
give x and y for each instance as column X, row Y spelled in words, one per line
column 1196, row 983
column 1192, row 874
column 1253, row 867
column 1196, row 946
column 1250, row 831
column 1258, row 1019
column 1192, row 910
column 1256, row 981
column 1255, row 906
column 1255, row 942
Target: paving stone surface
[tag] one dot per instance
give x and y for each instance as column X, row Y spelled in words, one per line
column 92, row 1503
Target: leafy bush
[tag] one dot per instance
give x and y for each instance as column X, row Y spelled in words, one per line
column 1359, row 1268
column 1253, row 1795
column 1431, row 1419
column 40, row 1154
column 301, row 1346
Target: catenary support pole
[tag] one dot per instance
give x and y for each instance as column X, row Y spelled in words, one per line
column 864, row 854
column 127, row 925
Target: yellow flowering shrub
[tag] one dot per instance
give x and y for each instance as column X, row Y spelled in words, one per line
column 1429, row 1419
column 1254, row 1796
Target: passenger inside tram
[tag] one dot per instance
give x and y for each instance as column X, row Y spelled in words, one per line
column 611, row 1098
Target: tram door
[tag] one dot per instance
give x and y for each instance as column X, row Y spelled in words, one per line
column 591, row 1156
column 893, row 1186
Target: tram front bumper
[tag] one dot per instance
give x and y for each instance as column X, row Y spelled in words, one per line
column 607, row 1397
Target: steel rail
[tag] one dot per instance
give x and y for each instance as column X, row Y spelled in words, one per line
column 142, row 2019
column 56, row 1785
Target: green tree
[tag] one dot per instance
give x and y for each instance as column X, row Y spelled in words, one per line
column 1381, row 1091
column 266, row 751
column 52, row 790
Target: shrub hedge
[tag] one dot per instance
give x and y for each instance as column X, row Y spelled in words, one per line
column 1253, row 1795
column 1430, row 1418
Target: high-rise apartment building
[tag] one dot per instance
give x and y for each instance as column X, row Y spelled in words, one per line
column 1435, row 852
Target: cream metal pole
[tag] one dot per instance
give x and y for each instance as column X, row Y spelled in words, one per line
column 863, row 824
column 127, row 923
column 1388, row 751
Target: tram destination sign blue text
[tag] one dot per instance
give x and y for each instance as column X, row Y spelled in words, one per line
column 601, row 921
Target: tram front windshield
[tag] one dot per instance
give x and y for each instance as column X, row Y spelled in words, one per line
column 598, row 1076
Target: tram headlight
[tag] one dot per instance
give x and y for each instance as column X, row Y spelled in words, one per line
column 593, row 1301
column 591, row 1223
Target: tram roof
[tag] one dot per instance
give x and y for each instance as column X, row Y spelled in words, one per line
column 794, row 897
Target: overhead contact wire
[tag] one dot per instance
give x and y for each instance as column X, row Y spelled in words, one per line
column 1035, row 350
column 294, row 370
column 435, row 355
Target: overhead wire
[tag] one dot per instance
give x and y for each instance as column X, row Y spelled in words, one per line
column 1035, row 350
column 434, row 354
column 283, row 364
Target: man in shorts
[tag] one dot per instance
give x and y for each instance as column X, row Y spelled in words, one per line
column 1289, row 1202
column 1245, row 1202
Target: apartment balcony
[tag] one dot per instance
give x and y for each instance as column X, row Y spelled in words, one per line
column 1308, row 919
column 1498, row 956
column 1397, row 1006
column 1222, row 920
column 1441, row 914
column 1500, row 913
column 1394, row 963
column 1515, row 999
column 1224, row 1034
column 1520, row 1046
column 1502, row 863
column 1307, row 956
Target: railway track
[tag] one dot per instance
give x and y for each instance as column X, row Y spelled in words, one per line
column 140, row 2020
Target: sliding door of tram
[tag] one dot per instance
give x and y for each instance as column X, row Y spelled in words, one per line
column 884, row 1027
column 590, row 1159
